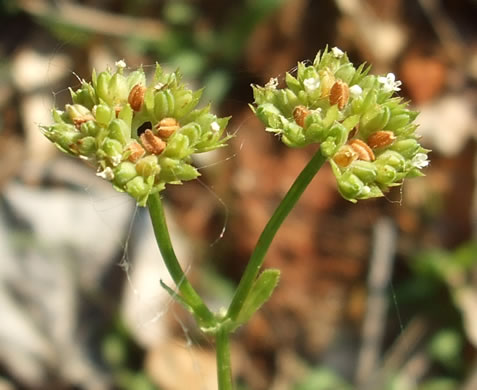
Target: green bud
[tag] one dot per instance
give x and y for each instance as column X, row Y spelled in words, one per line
column 103, row 114
column 86, row 146
column 337, row 136
column 148, row 166
column 85, row 96
column 178, row 147
column 386, row 174
column 126, row 114
column 374, row 120
column 120, row 131
column 397, row 121
column 345, row 73
column 113, row 149
column 90, row 128
column 118, row 88
column 78, row 113
column 407, row 147
column 364, row 170
column 139, row 188
column 102, row 87
column 164, row 104
column 136, row 77
column 124, row 172
column 191, row 131
column 392, row 158
column 350, row 186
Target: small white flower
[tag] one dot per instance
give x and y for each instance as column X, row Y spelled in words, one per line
column 120, row 64
column 389, row 82
column 355, row 90
column 337, row 52
column 106, row 174
column 311, row 84
column 116, row 160
column 215, row 126
column 420, row 161
column 272, row 84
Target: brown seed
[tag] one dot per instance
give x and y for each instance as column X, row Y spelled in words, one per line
column 339, row 94
column 381, row 138
column 345, row 156
column 166, row 127
column 299, row 114
column 151, row 143
column 136, row 97
column 137, row 151
column 362, row 149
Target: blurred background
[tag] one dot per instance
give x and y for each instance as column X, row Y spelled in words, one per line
column 379, row 295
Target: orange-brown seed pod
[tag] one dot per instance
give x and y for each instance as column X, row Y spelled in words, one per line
column 136, row 97
column 299, row 114
column 166, row 127
column 136, row 150
column 380, row 139
column 151, row 143
column 339, row 94
column 345, row 156
column 362, row 149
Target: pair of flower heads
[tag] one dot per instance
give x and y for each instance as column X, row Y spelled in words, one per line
column 141, row 136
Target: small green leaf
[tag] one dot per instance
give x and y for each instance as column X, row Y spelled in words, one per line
column 259, row 294
column 175, row 295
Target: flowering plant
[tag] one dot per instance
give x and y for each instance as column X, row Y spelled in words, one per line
column 141, row 137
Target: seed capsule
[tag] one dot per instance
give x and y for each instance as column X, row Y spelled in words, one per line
column 151, row 143
column 299, row 114
column 166, row 127
column 339, row 94
column 137, row 151
column 380, row 139
column 362, row 149
column 136, row 97
column 345, row 156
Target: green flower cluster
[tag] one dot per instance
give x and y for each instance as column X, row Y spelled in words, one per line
column 367, row 134
column 138, row 137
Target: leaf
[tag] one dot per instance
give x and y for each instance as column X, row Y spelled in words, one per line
column 259, row 294
column 175, row 295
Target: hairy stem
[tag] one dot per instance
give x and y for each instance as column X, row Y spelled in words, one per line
column 283, row 209
column 187, row 292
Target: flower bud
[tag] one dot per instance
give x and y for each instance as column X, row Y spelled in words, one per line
column 113, row 149
column 164, row 104
column 364, row 170
column 86, row 146
column 407, row 147
column 78, row 114
column 139, row 188
column 386, row 174
column 120, row 131
column 104, row 114
column 124, row 172
column 148, row 166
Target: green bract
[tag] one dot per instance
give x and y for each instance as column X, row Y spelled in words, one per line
column 138, row 136
column 367, row 134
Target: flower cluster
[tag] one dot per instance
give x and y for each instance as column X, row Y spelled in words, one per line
column 367, row 134
column 138, row 137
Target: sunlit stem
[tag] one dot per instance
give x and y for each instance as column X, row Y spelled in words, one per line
column 187, row 292
column 281, row 212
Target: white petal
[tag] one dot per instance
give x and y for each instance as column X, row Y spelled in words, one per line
column 337, row 52
column 311, row 84
column 120, row 64
column 107, row 174
column 355, row 90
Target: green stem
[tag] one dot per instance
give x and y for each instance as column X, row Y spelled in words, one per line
column 224, row 367
column 283, row 209
column 187, row 292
